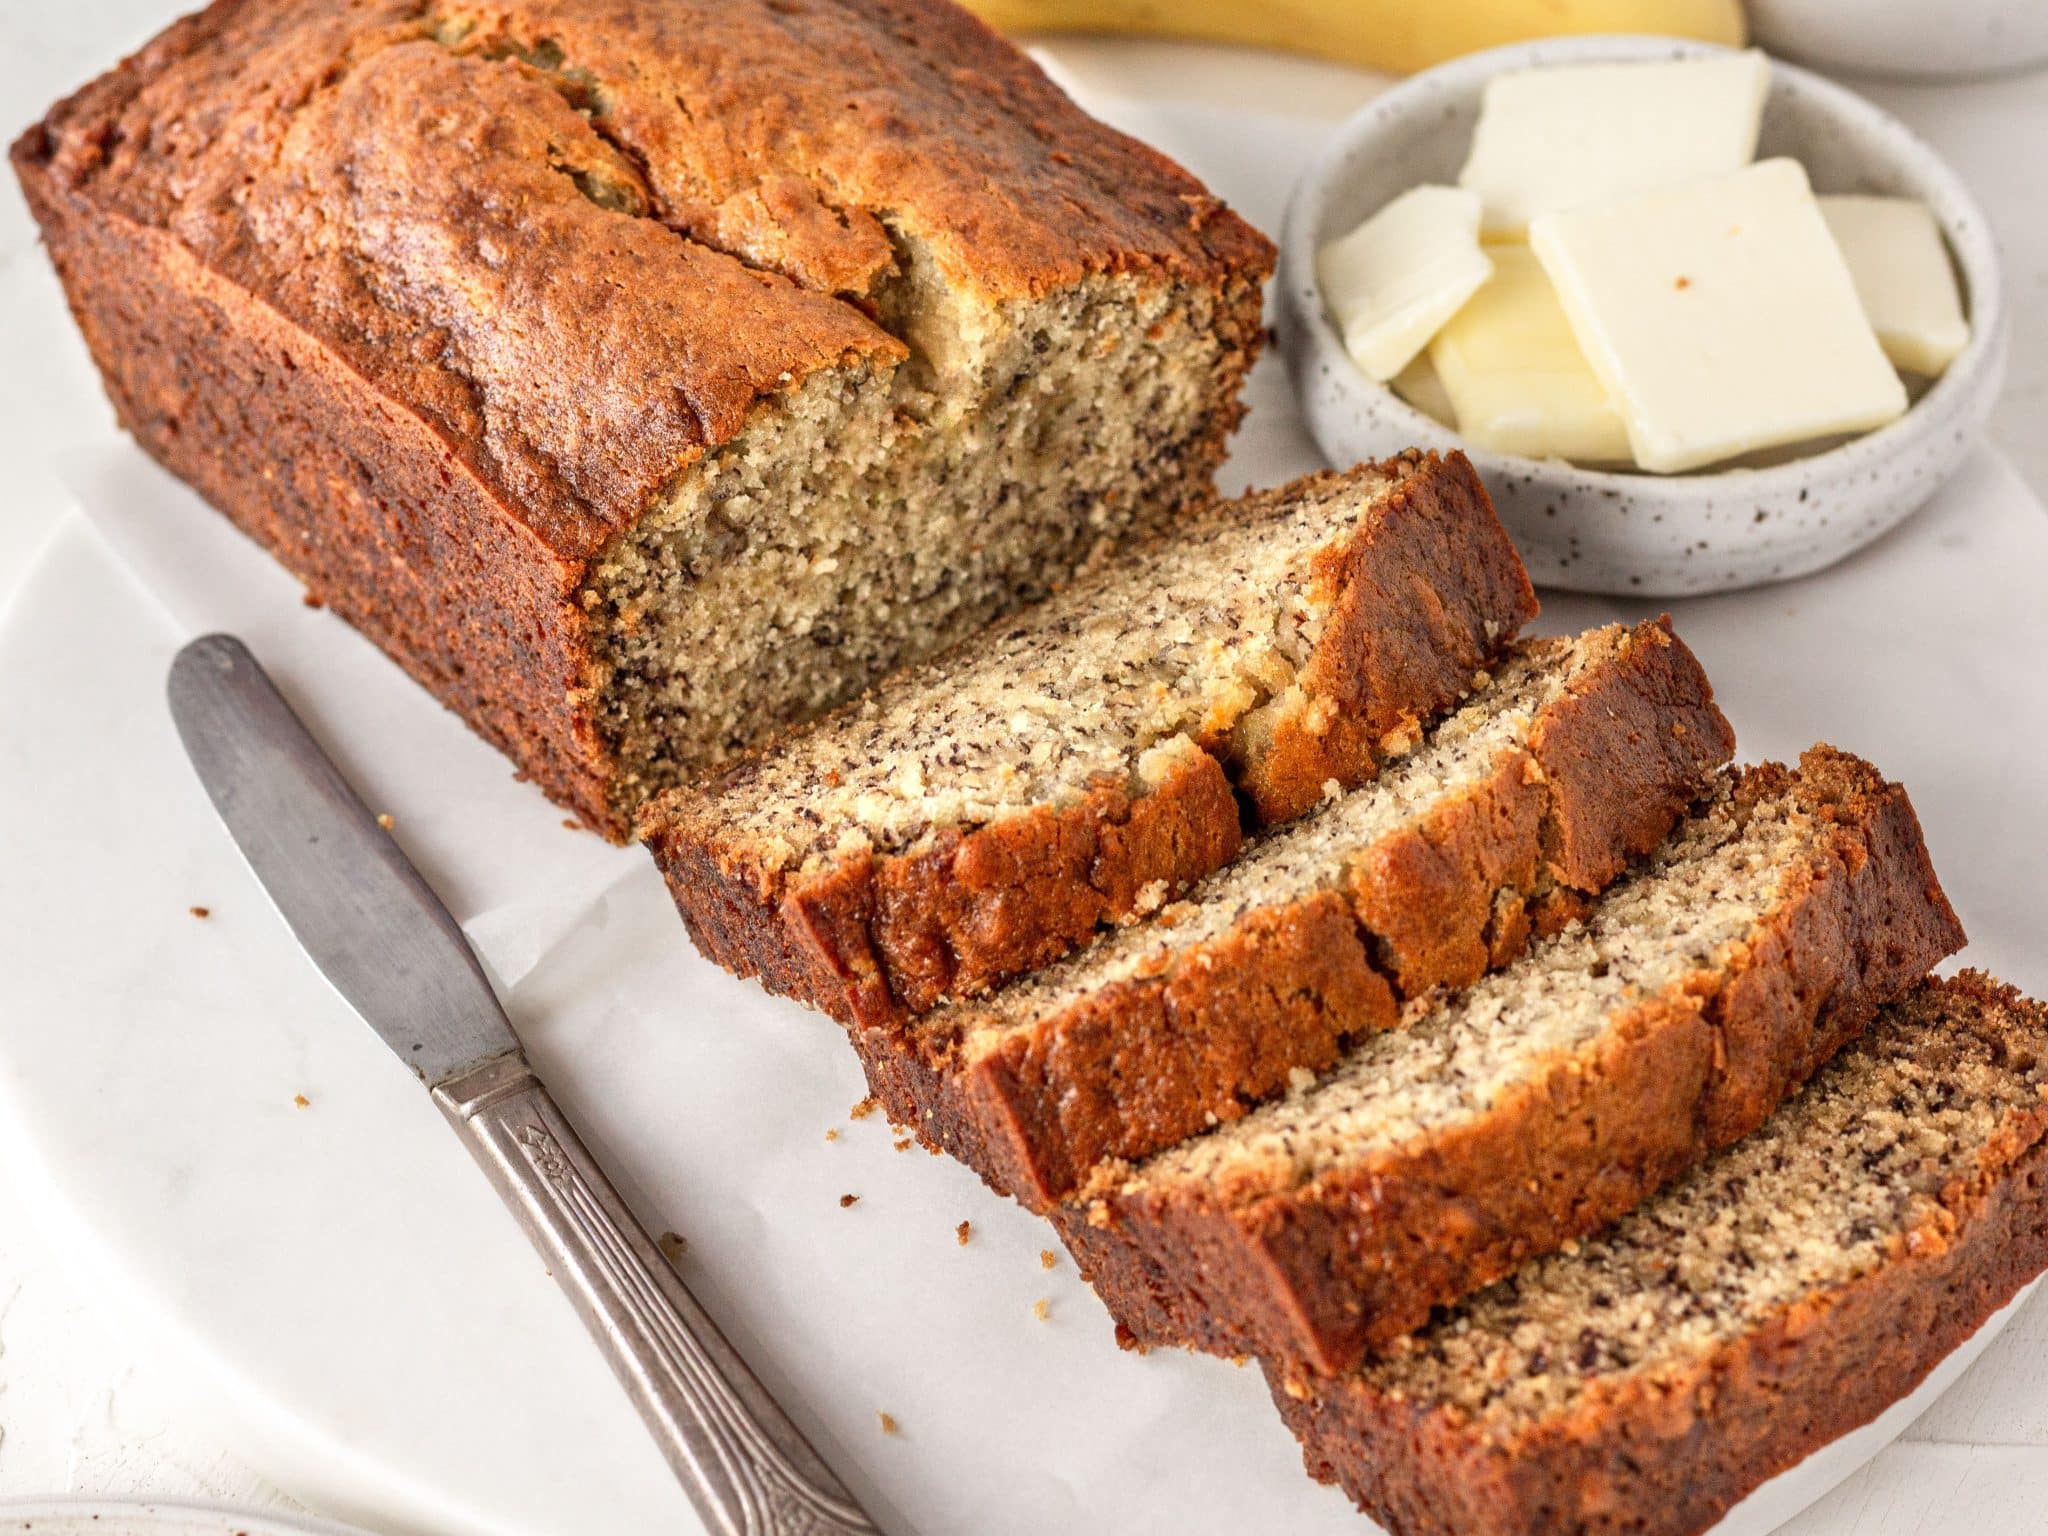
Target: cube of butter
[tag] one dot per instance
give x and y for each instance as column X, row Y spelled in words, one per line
column 1419, row 385
column 1903, row 276
column 1564, row 137
column 1515, row 375
column 1720, row 316
column 1401, row 274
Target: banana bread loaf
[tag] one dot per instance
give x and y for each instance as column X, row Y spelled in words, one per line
column 1578, row 756
column 1785, row 1293
column 1548, row 1098
column 644, row 374
column 983, row 813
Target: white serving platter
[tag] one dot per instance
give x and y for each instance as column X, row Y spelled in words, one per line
column 343, row 1290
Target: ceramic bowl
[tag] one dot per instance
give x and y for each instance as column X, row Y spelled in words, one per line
column 1906, row 39
column 1587, row 530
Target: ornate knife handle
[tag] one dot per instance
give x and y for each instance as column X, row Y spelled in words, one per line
column 746, row 1467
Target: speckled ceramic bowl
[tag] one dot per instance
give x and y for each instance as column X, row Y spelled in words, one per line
column 1645, row 535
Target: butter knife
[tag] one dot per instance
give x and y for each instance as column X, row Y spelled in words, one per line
column 376, row 930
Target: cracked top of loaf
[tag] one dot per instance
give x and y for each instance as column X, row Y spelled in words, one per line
column 583, row 239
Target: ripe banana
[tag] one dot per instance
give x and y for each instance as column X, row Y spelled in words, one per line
column 1394, row 35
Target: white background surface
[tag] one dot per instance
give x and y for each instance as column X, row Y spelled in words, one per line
column 77, row 1413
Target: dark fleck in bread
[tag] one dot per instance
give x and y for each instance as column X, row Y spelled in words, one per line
column 1578, row 756
column 1546, row 1099
column 983, row 813
column 1782, row 1295
column 645, row 374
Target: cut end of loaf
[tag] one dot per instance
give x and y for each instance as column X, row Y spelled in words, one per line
column 874, row 516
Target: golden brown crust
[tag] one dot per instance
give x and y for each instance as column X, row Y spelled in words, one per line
column 867, row 933
column 1138, row 1065
column 1320, row 1273
column 434, row 299
column 373, row 511
column 1418, row 600
column 1421, row 596
column 1670, row 1456
column 1135, row 1066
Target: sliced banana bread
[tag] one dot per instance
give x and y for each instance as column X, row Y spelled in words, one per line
column 981, row 814
column 1549, row 1097
column 1577, row 756
column 645, row 374
column 1783, row 1294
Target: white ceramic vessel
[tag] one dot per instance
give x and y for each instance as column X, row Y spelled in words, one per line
column 1644, row 535
column 1906, row 39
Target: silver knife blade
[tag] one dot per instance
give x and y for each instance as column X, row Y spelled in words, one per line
column 381, row 936
column 374, row 927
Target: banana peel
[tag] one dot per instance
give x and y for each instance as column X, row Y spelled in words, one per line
column 1398, row 36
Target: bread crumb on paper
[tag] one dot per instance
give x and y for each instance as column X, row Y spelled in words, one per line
column 1047, row 1258
column 673, row 1245
column 848, row 1200
column 387, row 821
column 831, row 1133
column 200, row 911
column 864, row 1108
column 300, row 1101
column 1042, row 1308
column 963, row 1232
column 889, row 1425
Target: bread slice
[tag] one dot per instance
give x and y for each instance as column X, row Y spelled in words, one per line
column 1576, row 757
column 1783, row 1294
column 980, row 815
column 1549, row 1097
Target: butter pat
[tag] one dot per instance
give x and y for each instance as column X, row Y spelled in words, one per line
column 1401, row 274
column 1578, row 134
column 1901, row 268
column 1419, row 385
column 1515, row 375
column 1720, row 316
